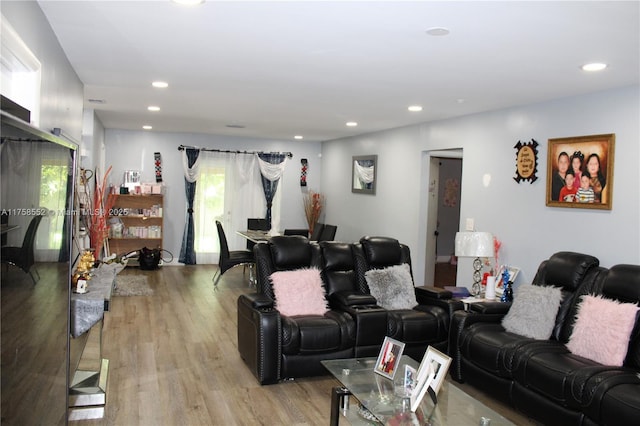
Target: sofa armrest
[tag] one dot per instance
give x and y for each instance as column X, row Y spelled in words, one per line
column 259, row 337
column 257, row 301
column 459, row 321
column 499, row 308
column 345, row 299
column 430, row 292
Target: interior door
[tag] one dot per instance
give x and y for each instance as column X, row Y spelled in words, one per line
column 436, row 233
column 432, row 220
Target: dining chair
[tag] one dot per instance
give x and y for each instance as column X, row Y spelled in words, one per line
column 303, row 232
column 328, row 233
column 229, row 259
column 256, row 224
column 23, row 256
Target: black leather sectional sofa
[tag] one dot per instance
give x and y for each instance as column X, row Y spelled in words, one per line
column 542, row 378
column 277, row 347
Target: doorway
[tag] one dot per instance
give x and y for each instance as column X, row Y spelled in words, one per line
column 443, row 216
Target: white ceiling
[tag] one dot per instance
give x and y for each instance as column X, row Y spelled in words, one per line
column 305, row 68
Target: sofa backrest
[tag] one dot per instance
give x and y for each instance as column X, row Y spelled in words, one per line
column 338, row 267
column 379, row 253
column 622, row 283
column 576, row 274
column 283, row 253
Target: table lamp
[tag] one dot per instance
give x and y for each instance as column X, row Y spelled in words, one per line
column 474, row 244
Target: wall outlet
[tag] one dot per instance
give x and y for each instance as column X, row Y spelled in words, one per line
column 470, row 224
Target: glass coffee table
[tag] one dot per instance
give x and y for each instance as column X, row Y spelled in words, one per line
column 381, row 400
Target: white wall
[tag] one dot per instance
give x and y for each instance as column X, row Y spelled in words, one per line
column 133, row 150
column 61, row 89
column 515, row 213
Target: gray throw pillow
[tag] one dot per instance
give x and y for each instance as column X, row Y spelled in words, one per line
column 533, row 312
column 392, row 287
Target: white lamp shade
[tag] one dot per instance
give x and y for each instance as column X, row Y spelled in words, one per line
column 474, row 244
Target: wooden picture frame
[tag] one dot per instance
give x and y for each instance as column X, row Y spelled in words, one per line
column 590, row 156
column 364, row 170
column 389, row 357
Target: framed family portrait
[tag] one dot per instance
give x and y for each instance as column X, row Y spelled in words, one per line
column 580, row 172
column 389, row 357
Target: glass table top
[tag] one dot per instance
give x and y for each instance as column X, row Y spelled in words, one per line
column 382, row 400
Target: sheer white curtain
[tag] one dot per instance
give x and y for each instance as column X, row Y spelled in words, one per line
column 34, row 177
column 241, row 196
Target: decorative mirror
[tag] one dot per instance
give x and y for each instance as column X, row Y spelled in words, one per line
column 363, row 176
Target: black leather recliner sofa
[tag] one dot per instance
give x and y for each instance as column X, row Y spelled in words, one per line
column 277, row 347
column 542, row 378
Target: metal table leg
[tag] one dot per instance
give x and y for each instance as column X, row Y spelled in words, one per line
column 339, row 401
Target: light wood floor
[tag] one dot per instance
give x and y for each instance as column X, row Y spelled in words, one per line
column 174, row 360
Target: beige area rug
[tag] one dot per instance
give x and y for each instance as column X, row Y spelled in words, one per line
column 132, row 285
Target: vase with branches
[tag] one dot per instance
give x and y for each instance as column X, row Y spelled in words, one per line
column 313, row 205
column 103, row 202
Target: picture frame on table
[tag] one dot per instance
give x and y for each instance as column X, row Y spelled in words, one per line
column 581, row 156
column 513, row 273
column 389, row 357
column 431, row 374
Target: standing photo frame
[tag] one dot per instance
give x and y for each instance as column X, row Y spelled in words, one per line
column 389, row 357
column 589, row 159
column 513, row 273
column 364, row 174
column 430, row 376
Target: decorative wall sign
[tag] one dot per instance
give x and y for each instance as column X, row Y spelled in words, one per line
column 526, row 161
column 304, row 164
column 580, row 172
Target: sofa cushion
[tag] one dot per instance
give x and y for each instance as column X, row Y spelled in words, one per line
column 392, row 287
column 534, row 310
column 299, row 292
column 602, row 329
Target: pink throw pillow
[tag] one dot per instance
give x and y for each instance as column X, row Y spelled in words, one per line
column 602, row 330
column 299, row 292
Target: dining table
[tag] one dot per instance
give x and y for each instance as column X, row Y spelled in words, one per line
column 6, row 228
column 255, row 236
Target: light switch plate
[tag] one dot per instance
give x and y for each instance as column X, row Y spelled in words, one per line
column 470, row 224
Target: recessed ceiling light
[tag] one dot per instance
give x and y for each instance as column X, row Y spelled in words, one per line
column 594, row 66
column 188, row 2
column 235, row 126
column 153, row 108
column 147, row 127
column 160, row 84
column 438, row 31
column 460, row 100
column 351, row 123
column 415, row 108
column 298, row 137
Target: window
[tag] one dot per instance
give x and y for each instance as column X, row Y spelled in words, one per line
column 209, row 206
column 53, row 196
